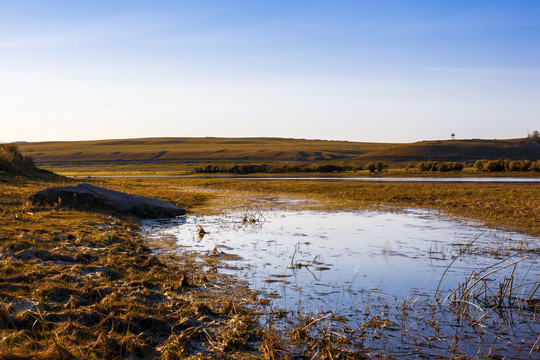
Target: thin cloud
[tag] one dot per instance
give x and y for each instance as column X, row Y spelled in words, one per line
column 66, row 33
column 487, row 70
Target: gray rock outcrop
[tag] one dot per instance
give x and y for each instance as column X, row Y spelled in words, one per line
column 93, row 198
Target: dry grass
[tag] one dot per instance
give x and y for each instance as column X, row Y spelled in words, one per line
column 166, row 154
column 509, row 205
column 86, row 285
column 461, row 150
column 195, row 149
column 15, row 166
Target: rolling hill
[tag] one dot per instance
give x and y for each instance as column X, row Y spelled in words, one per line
column 196, row 150
column 460, row 150
column 168, row 153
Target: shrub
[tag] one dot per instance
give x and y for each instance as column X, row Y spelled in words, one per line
column 479, row 165
column 534, row 136
column 10, row 152
column 504, row 165
column 440, row 166
column 328, row 168
column 243, row 169
column 524, row 165
column 10, row 155
column 371, row 167
column 380, row 166
column 496, row 165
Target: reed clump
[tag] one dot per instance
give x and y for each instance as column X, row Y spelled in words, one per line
column 12, row 161
column 15, row 166
column 9, row 153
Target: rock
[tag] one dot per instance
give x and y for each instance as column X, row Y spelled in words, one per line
column 26, row 236
column 90, row 197
column 25, row 305
column 30, row 254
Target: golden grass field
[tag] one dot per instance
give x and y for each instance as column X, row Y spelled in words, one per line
column 87, row 285
column 182, row 154
column 196, row 149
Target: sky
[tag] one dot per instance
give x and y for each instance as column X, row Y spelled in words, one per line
column 377, row 70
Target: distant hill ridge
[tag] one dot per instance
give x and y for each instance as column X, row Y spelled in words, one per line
column 462, row 150
column 273, row 149
column 197, row 149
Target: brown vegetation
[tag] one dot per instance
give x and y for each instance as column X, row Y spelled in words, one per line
column 13, row 164
column 460, row 150
column 76, row 284
column 510, row 205
column 84, row 285
column 440, row 166
column 262, row 155
column 504, row 165
column 81, row 285
column 196, row 150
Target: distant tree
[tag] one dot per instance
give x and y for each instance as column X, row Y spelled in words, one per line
column 371, row 167
column 479, row 165
column 329, row 168
column 380, row 166
column 534, row 136
column 423, row 166
column 440, row 166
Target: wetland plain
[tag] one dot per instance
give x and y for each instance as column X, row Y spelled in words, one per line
column 377, row 277
column 467, row 227
column 199, row 298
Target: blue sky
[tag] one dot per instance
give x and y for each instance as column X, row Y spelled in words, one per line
column 389, row 71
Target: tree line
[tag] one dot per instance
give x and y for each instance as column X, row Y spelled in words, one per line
column 244, row 169
column 500, row 165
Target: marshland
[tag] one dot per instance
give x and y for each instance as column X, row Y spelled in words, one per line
column 273, row 269
column 269, row 179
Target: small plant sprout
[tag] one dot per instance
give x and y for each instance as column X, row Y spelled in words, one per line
column 201, row 232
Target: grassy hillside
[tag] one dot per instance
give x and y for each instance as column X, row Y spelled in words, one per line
column 460, row 150
column 173, row 155
column 197, row 150
column 15, row 165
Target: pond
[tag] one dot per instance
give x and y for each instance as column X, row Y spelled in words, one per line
column 345, row 262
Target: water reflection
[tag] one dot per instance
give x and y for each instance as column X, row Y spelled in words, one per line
column 500, row 179
column 317, row 261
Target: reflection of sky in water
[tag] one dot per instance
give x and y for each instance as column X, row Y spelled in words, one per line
column 396, row 254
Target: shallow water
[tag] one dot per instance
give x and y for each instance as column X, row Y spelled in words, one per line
column 357, row 259
column 491, row 179
column 396, row 254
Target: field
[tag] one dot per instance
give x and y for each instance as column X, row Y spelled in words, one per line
column 91, row 285
column 196, row 150
column 183, row 155
column 461, row 150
